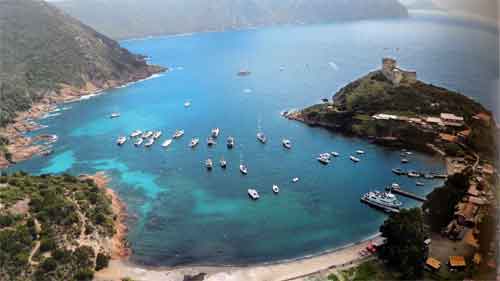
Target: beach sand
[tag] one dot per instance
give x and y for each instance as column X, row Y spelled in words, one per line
column 288, row 270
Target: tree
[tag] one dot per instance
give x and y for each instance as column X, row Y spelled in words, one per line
column 405, row 248
column 102, row 261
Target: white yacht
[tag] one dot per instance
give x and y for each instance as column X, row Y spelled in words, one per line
column 215, row 132
column 167, row 143
column 276, row 189
column 230, row 142
column 419, row 183
column 335, row 154
column 384, row 200
column 295, row 179
column 157, row 135
column 138, row 142
column 147, row 134
column 211, row 141
column 149, row 142
column 360, row 152
column 413, row 174
column 121, row 140
column 187, row 104
column 404, row 160
column 194, row 142
column 323, row 160
column 178, row 134
column 114, row 115
column 287, row 143
column 261, row 137
column 136, row 133
column 354, row 159
column 254, row 194
column 209, row 164
column 243, row 169
column 223, row 163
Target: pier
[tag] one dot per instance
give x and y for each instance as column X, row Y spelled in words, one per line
column 407, row 194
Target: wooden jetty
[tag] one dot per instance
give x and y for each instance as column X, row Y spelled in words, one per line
column 407, row 194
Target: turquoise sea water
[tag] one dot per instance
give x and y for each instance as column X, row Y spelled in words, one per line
column 182, row 214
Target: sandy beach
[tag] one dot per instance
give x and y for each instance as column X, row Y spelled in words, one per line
column 287, row 270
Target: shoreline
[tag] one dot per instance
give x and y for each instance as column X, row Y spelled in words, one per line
column 292, row 269
column 22, row 147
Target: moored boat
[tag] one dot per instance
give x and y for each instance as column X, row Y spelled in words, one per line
column 294, row 180
column 167, row 143
column 398, row 171
column 261, row 137
column 147, row 134
column 404, row 160
column 138, row 142
column 187, row 104
column 354, row 159
column 276, row 189
column 413, row 174
column 244, row 72
column 223, row 163
column 419, row 183
column 286, row 143
column 209, row 164
column 156, row 135
column 384, row 200
column 215, row 132
column 114, row 115
column 323, row 160
column 211, row 141
column 243, row 169
column 149, row 142
column 121, row 140
column 253, row 194
column 136, row 133
column 194, row 142
column 230, row 142
column 335, row 154
column 178, row 134
column 360, row 152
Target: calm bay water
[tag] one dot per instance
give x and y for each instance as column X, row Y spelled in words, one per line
column 182, row 214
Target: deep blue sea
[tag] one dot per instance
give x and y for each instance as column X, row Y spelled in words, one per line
column 182, row 214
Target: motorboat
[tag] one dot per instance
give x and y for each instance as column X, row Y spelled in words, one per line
column 419, row 183
column 276, row 189
column 167, row 143
column 404, row 160
column 261, row 137
column 243, row 169
column 157, row 135
column 138, row 142
column 223, row 163
column 209, row 164
column 149, row 142
column 187, row 104
column 253, row 194
column 178, row 134
column 121, row 140
column 360, row 152
column 287, row 143
column 194, row 142
column 354, row 159
column 211, row 141
column 230, row 142
column 244, row 72
column 136, row 133
column 294, row 180
column 215, row 132
column 335, row 154
column 114, row 115
column 147, row 134
column 413, row 174
column 398, row 171
column 323, row 160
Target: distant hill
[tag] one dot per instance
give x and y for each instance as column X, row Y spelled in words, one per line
column 138, row 18
column 44, row 52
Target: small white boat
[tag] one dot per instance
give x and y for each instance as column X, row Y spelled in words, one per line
column 209, row 164
column 178, row 134
column 230, row 142
column 114, row 115
column 121, row 140
column 211, row 141
column 413, row 174
column 149, row 142
column 395, row 186
column 157, row 135
column 276, row 189
column 254, row 194
column 167, row 143
column 215, row 132
column 261, row 137
column 360, row 152
column 335, row 154
column 187, row 104
column 295, row 179
column 138, row 142
column 419, row 183
column 136, row 133
column 243, row 169
column 287, row 143
column 354, row 159
column 223, row 163
column 323, row 160
column 404, row 160
column 194, row 142
column 147, row 134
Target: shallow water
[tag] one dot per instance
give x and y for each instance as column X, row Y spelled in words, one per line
column 182, row 214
